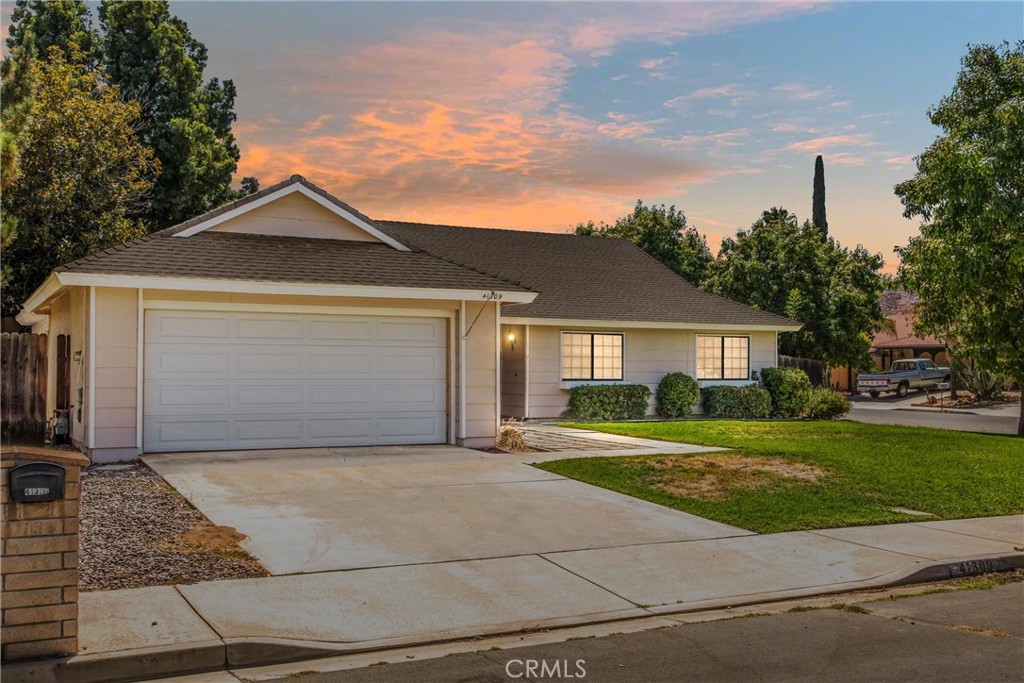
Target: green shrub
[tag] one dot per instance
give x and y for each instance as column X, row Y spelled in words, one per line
column 608, row 402
column 677, row 394
column 825, row 404
column 790, row 390
column 737, row 402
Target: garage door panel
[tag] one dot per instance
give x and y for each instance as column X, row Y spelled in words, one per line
column 187, row 326
column 358, row 363
column 252, row 432
column 270, row 395
column 282, row 381
column 271, row 329
column 352, row 396
column 175, row 361
column 425, row 331
column 341, row 330
column 189, row 434
column 342, row 430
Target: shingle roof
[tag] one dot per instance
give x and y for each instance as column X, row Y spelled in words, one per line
column 236, row 256
column 578, row 277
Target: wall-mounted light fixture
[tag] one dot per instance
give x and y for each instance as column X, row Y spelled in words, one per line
column 511, row 340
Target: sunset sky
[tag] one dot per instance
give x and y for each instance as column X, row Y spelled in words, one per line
column 538, row 116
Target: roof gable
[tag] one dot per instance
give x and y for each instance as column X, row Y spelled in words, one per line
column 293, row 208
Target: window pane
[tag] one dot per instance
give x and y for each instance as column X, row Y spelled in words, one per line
column 709, row 357
column 575, row 356
column 607, row 356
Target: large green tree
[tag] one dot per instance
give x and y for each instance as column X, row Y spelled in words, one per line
column 83, row 175
column 664, row 234
column 967, row 263
column 781, row 266
column 52, row 23
column 152, row 57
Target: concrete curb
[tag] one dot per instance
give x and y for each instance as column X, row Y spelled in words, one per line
column 216, row 655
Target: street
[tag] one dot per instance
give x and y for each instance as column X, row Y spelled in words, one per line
column 966, row 635
column 890, row 410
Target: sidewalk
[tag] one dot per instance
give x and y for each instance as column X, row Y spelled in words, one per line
column 149, row 632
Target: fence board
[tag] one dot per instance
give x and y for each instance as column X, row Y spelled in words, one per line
column 22, row 385
column 815, row 369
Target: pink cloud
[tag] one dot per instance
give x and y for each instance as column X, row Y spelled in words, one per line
column 831, row 142
column 800, row 92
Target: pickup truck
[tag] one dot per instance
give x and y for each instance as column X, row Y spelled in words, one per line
column 904, row 375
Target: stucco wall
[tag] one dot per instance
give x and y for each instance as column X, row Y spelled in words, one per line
column 648, row 355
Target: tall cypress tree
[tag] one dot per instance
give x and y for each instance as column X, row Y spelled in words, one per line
column 818, row 201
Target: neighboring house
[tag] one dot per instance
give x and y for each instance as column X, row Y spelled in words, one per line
column 289, row 319
column 897, row 342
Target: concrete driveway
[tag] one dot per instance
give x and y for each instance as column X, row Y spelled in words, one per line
column 314, row 510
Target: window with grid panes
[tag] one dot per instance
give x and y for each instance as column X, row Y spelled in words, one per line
column 591, row 356
column 721, row 357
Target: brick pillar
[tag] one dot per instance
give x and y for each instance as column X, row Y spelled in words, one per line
column 39, row 563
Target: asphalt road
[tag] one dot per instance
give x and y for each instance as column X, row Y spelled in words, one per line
column 969, row 635
column 889, row 410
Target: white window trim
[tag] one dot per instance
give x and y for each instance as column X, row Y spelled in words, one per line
column 696, row 360
column 569, row 383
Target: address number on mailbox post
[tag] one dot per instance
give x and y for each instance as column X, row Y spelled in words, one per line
column 36, row 482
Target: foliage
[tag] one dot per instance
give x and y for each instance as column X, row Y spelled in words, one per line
column 967, row 263
column 818, row 218
column 786, row 268
column 789, row 389
column 16, row 87
column 52, row 23
column 153, row 58
column 751, row 402
column 664, row 234
column 826, row 404
column 608, row 402
column 83, row 177
column 873, row 469
column 677, row 394
column 984, row 384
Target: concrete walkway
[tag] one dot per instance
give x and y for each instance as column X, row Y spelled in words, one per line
column 249, row 622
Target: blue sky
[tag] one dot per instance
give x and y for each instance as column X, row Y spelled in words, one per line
column 538, row 116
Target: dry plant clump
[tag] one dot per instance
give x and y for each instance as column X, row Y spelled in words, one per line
column 510, row 438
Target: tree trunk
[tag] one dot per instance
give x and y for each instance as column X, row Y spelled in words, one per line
column 1020, row 420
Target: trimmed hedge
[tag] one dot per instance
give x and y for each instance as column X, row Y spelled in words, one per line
column 790, row 390
column 608, row 402
column 737, row 402
column 677, row 394
column 825, row 404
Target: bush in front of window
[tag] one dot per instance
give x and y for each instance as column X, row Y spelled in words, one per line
column 790, row 389
column 608, row 402
column 750, row 402
column 825, row 404
column 677, row 394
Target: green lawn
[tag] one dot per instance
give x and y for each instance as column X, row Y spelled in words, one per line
column 865, row 471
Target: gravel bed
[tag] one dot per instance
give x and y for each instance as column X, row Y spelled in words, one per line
column 132, row 524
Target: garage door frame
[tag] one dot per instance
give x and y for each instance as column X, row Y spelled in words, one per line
column 225, row 307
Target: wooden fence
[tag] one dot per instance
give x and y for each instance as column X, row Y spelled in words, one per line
column 22, row 385
column 815, row 369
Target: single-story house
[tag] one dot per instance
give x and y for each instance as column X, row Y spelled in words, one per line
column 290, row 319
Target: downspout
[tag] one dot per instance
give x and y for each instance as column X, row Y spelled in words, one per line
column 526, row 372
column 140, row 341
column 92, row 368
column 462, row 372
column 497, row 368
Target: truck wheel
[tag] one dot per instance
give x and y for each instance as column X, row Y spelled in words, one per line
column 874, row 394
column 902, row 389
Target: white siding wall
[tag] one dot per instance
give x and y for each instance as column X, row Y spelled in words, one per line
column 648, row 355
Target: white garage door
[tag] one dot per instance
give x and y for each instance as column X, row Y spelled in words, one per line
column 225, row 381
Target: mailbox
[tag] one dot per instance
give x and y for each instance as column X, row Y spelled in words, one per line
column 36, row 482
